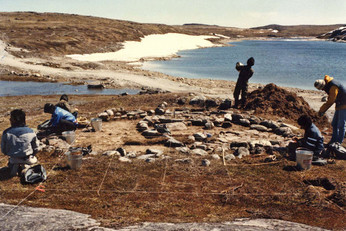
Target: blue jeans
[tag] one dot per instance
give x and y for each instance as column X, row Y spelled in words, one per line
column 338, row 124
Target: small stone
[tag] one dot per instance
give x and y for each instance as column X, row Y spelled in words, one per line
column 229, row 157
column 131, row 154
column 242, row 151
column 209, row 125
column 244, row 122
column 156, row 152
column 125, row 159
column 205, row 162
column 184, row 161
column 215, row 157
column 144, row 157
column 122, row 151
column 171, row 142
column 258, row 127
column 227, row 124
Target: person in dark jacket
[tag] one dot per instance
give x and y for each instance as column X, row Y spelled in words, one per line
column 336, row 94
column 64, row 104
column 245, row 73
column 19, row 143
column 313, row 139
column 61, row 120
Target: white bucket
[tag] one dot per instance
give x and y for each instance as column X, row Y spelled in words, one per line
column 74, row 160
column 69, row 136
column 96, row 124
column 304, row 158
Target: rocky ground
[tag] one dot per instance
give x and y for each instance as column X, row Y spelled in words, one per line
column 175, row 157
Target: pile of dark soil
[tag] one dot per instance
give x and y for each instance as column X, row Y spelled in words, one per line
column 277, row 101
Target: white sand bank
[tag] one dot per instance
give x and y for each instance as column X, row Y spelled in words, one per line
column 150, row 47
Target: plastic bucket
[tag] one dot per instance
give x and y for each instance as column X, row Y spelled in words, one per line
column 74, row 160
column 96, row 124
column 304, row 158
column 69, row 136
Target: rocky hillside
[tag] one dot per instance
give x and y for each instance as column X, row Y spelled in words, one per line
column 337, row 35
column 299, row 30
column 51, row 33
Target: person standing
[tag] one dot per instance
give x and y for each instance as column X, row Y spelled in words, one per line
column 245, row 73
column 336, row 94
column 19, row 143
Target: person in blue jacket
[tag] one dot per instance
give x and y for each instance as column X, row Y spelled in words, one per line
column 61, row 120
column 312, row 140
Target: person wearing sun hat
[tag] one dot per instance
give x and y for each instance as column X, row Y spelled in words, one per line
column 336, row 94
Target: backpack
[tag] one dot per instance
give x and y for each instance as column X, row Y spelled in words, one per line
column 337, row 150
column 34, row 175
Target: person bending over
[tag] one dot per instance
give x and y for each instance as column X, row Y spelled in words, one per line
column 19, row 143
column 336, row 94
column 61, row 120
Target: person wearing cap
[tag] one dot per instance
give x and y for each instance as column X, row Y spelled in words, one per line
column 245, row 73
column 61, row 120
column 336, row 94
column 312, row 140
column 20, row 143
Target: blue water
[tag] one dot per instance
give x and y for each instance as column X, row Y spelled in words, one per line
column 290, row 63
column 15, row 88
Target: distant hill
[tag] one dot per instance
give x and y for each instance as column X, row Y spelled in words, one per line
column 299, row 30
column 60, row 34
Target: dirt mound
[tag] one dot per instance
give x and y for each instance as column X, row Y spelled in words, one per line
column 278, row 101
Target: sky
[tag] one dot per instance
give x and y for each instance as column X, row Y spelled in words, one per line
column 233, row 13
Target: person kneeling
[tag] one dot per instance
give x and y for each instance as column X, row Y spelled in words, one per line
column 313, row 140
column 61, row 120
column 19, row 143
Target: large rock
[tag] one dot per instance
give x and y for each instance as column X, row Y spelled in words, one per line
column 198, row 100
column 199, row 136
column 177, row 126
column 151, row 133
column 283, row 131
column 171, row 142
column 199, row 152
column 225, row 105
column 258, row 127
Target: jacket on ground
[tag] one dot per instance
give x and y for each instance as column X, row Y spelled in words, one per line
column 19, row 142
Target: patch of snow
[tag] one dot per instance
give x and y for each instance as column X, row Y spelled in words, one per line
column 151, row 46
